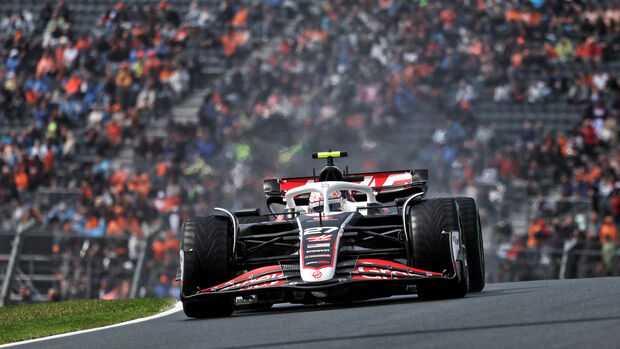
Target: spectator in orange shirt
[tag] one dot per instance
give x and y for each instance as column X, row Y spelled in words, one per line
column 166, row 72
column 21, row 180
column 531, row 18
column 551, row 52
column 92, row 222
column 161, row 167
column 172, row 243
column 133, row 183
column 594, row 49
column 512, row 15
column 516, row 59
column 46, row 65
column 115, row 136
column 536, row 233
column 48, row 162
column 447, row 16
column 590, row 139
column 241, row 17
column 73, row 84
column 123, row 81
column 32, row 97
column 119, row 181
column 608, row 231
column 82, row 44
column 229, row 42
column 159, row 249
column 152, row 64
column 117, row 226
column 59, row 54
column 144, row 184
column 133, row 225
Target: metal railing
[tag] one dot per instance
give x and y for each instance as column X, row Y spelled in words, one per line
column 573, row 260
column 81, row 267
column 12, row 264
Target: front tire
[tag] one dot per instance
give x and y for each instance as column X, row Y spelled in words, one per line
column 207, row 261
column 431, row 248
column 472, row 235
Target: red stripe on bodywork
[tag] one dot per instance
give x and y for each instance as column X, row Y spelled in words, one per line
column 266, row 284
column 376, row 179
column 288, row 184
column 389, row 264
column 249, row 275
column 402, row 181
column 266, row 278
column 373, row 277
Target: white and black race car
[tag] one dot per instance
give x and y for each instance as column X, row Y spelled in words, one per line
column 335, row 237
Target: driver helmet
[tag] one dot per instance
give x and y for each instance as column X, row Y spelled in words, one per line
column 334, row 200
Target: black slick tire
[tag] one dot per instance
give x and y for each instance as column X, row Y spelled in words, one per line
column 472, row 235
column 207, row 262
column 431, row 248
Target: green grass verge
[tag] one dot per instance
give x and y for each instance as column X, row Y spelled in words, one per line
column 22, row 322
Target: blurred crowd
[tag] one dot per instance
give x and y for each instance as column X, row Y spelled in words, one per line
column 343, row 74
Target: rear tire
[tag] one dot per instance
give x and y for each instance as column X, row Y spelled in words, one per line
column 207, row 262
column 431, row 248
column 472, row 235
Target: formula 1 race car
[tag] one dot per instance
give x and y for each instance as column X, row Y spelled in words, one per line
column 335, row 237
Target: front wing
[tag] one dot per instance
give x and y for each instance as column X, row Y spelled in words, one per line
column 287, row 278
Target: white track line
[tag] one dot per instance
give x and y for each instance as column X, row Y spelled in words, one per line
column 177, row 307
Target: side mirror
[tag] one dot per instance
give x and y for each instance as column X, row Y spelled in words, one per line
column 276, row 207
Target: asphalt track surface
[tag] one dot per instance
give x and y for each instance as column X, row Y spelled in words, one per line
column 539, row 314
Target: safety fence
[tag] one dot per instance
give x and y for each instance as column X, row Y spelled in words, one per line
column 576, row 258
column 38, row 265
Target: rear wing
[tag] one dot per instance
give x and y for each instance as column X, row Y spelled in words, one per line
column 381, row 182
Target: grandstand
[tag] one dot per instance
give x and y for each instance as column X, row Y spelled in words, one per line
column 120, row 118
